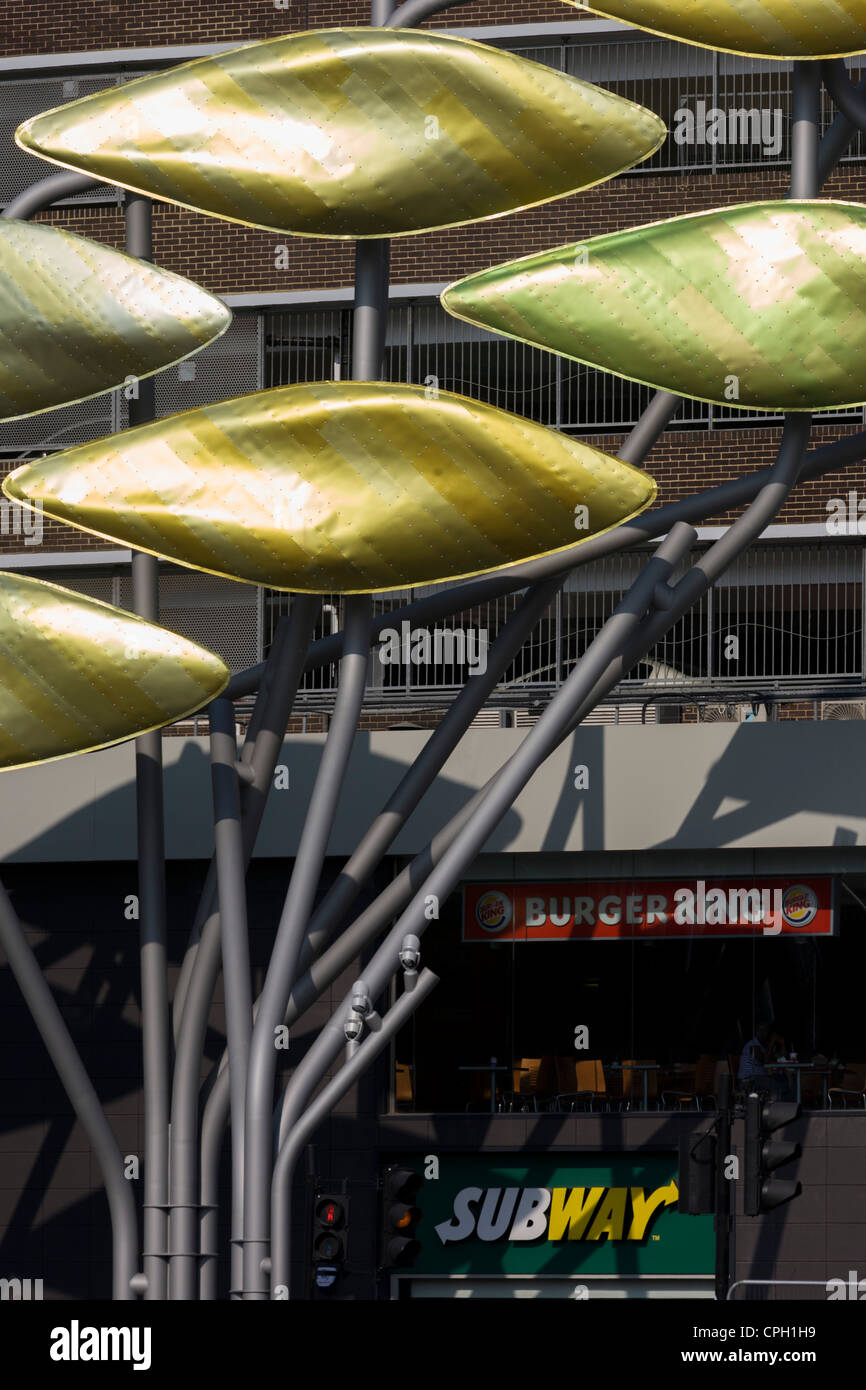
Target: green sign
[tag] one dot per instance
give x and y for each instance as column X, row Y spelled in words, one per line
column 582, row 1214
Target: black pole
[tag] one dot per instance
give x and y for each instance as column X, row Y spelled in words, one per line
column 722, row 1222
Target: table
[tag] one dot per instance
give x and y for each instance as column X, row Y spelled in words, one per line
column 493, row 1067
column 800, row 1068
column 645, row 1067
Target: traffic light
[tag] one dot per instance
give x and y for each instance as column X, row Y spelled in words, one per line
column 697, row 1173
column 400, row 1217
column 330, row 1236
column 764, row 1155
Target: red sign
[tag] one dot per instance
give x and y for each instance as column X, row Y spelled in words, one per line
column 648, row 909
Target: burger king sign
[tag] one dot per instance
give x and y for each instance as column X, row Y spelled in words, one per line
column 493, row 911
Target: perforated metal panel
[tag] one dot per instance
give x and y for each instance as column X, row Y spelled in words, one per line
column 231, row 366
column 21, row 98
column 99, row 586
column 59, row 429
column 219, row 614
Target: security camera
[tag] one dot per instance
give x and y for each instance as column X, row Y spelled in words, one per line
column 361, row 1002
column 353, row 1026
column 410, row 952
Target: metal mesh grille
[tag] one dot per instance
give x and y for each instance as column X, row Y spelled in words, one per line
column 22, row 98
column 59, row 429
column 219, row 614
column 427, row 347
column 228, row 367
column 308, row 346
column 99, row 586
column 784, row 616
column 675, row 80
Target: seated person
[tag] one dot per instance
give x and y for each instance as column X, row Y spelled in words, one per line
column 752, row 1074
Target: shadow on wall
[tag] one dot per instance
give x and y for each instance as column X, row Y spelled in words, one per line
column 103, row 827
column 796, row 786
column 53, row 1215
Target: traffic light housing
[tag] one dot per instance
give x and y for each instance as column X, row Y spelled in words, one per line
column 763, row 1155
column 697, row 1172
column 330, row 1236
column 400, row 1216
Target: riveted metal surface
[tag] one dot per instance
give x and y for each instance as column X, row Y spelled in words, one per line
column 77, row 674
column 760, row 28
column 759, row 305
column 351, row 133
column 79, row 317
column 339, row 486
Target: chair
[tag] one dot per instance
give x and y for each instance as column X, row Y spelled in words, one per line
column 856, row 1094
column 702, row 1087
column 633, row 1083
column 404, row 1084
column 586, row 1084
column 526, row 1077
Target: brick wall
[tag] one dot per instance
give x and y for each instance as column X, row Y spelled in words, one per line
column 44, row 27
column 229, row 259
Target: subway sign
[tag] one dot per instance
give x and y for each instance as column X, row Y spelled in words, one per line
column 648, row 909
column 580, row 1215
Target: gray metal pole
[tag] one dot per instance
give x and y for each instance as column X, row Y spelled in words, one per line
column 370, row 317
column 639, row 531
column 282, row 642
column 151, row 870
column 281, row 1190
column 82, row 1095
column 184, row 1226
column 258, row 1161
column 386, row 826
column 49, row 190
column 655, row 419
column 262, row 748
column 805, row 129
column 839, row 135
column 619, row 634
column 413, row 12
column 237, row 984
column 426, row 767
column 489, row 808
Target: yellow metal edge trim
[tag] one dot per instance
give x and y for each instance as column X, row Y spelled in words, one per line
column 711, row 48
column 393, row 588
column 126, row 738
column 139, row 376
column 639, row 381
